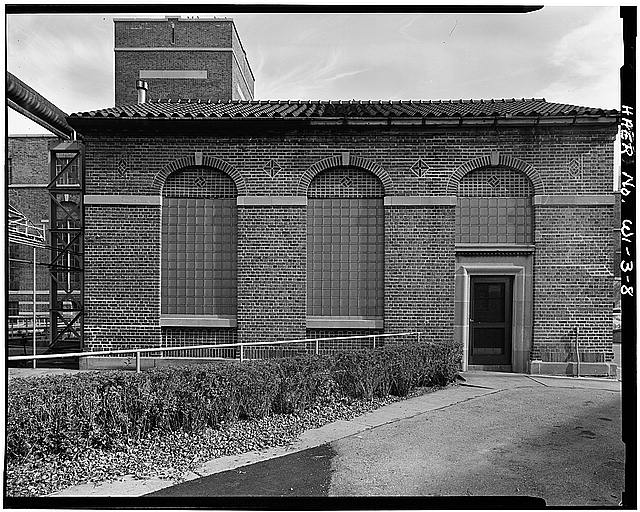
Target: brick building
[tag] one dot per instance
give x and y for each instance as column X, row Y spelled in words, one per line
column 27, row 179
column 351, row 217
column 181, row 58
column 484, row 222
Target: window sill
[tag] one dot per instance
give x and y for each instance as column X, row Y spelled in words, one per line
column 495, row 248
column 345, row 322
column 197, row 321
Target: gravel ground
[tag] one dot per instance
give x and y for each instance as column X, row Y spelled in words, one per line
column 172, row 455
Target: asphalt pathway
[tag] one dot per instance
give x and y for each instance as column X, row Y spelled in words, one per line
column 304, row 473
column 562, row 445
column 555, row 439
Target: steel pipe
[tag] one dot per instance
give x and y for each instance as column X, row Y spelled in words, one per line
column 35, row 347
column 29, row 102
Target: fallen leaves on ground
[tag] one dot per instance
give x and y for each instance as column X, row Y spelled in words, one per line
column 170, row 456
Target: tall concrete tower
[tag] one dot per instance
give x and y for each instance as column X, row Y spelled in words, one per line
column 180, row 58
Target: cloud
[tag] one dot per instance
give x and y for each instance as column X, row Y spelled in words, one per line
column 586, row 62
column 563, row 54
column 405, row 32
column 68, row 59
column 345, row 74
column 316, row 76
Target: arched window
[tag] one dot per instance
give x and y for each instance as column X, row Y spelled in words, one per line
column 199, row 240
column 345, row 244
column 494, row 207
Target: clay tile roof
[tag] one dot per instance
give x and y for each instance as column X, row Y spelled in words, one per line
column 292, row 109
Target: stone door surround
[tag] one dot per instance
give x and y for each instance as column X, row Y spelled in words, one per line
column 520, row 334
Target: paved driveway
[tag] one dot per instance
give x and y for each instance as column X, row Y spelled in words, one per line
column 559, row 444
column 557, row 439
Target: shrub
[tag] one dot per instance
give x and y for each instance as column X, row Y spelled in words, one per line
column 359, row 374
column 65, row 414
column 304, row 381
column 396, row 369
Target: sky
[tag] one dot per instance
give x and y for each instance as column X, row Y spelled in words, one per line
column 564, row 54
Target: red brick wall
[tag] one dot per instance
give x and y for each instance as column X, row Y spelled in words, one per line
column 271, row 273
column 217, row 85
column 547, row 150
column 181, row 336
column 151, row 34
column 331, row 346
column 30, row 166
column 223, row 72
column 572, row 283
column 419, row 270
column 30, row 158
column 122, row 276
column 32, row 202
column 419, row 242
column 21, row 272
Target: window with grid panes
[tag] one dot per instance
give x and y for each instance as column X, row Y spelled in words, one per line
column 494, row 206
column 199, row 243
column 13, row 308
column 69, row 243
column 345, row 244
column 69, row 163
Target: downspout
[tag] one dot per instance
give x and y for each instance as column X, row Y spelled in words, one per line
column 577, row 352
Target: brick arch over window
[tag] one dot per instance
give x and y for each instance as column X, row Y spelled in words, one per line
column 503, row 161
column 345, row 161
column 345, row 244
column 207, row 161
column 494, row 206
column 199, row 243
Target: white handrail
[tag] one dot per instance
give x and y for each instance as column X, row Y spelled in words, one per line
column 195, row 347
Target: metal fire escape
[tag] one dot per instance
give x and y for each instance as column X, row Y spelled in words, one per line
column 66, row 213
column 66, row 239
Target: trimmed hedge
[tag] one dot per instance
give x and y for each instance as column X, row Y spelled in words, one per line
column 395, row 369
column 67, row 413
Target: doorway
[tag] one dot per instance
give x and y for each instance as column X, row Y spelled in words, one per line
column 490, row 320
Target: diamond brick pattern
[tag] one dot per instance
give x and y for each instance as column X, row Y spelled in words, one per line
column 575, row 169
column 420, row 168
column 200, row 182
column 272, row 168
column 346, row 181
column 122, row 168
column 495, row 182
column 494, row 206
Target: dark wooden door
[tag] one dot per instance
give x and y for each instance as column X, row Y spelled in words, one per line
column 490, row 320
